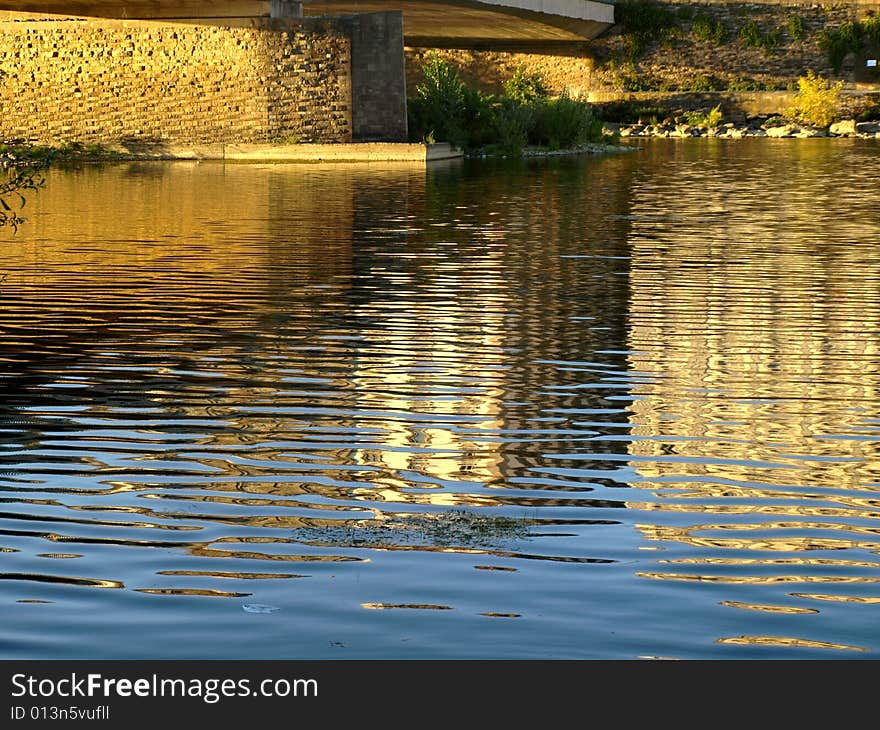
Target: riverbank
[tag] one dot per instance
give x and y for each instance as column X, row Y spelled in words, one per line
column 773, row 127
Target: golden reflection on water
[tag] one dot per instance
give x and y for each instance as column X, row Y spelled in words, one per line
column 758, row 330
column 221, row 366
column 788, row 642
column 768, row 609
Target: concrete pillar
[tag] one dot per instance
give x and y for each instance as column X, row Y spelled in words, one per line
column 285, row 9
column 378, row 77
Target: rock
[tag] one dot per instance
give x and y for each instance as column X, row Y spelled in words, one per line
column 808, row 132
column 868, row 127
column 786, row 130
column 756, row 133
column 846, row 128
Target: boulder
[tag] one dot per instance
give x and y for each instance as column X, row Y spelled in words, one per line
column 868, row 127
column 786, row 130
column 845, row 128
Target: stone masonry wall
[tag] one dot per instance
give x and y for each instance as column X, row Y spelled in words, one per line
column 107, row 81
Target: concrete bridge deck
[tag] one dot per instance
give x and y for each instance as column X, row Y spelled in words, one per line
column 439, row 23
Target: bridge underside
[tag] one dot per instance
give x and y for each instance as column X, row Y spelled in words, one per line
column 434, row 23
column 471, row 22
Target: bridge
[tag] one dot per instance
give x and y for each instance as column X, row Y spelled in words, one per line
column 434, row 23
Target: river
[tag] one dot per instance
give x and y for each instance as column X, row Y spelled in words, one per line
column 605, row 407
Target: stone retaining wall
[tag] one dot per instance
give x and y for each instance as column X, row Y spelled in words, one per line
column 106, row 81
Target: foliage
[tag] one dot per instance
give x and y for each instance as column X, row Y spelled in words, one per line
column 752, row 36
column 708, row 30
column 445, row 109
column 816, row 101
column 775, row 121
column 642, row 22
column 512, row 124
column 525, row 87
column 564, row 122
column 848, row 38
column 706, row 83
column 707, row 120
column 629, row 112
column 797, row 28
column 838, row 42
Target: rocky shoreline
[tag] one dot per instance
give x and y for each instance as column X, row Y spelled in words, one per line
column 775, row 127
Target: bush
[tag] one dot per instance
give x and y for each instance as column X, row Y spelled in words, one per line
column 751, row 36
column 706, row 83
column 525, row 87
column 816, row 101
column 797, row 29
column 642, row 22
column 446, row 110
column 708, row 30
column 839, row 42
column 512, row 124
column 707, row 120
column 564, row 122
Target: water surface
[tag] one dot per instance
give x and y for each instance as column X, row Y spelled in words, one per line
column 577, row 408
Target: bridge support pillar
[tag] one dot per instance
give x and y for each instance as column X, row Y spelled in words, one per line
column 285, row 9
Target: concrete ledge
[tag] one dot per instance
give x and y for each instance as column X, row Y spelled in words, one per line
column 357, row 152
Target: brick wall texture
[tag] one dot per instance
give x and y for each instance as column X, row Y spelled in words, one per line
column 109, row 81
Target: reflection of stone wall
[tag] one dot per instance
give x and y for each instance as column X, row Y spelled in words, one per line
column 757, row 330
column 103, row 81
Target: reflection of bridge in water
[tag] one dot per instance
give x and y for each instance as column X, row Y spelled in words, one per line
column 426, row 22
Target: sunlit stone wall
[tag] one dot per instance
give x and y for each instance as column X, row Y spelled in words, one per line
column 107, row 81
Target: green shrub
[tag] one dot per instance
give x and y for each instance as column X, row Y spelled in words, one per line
column 751, row 36
column 513, row 121
column 816, row 101
column 525, row 87
column 446, row 110
column 438, row 107
column 745, row 83
column 564, row 122
column 706, row 83
column 708, row 120
column 797, row 28
column 709, row 31
column 642, row 22
column 839, row 42
column 848, row 38
column 871, row 29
